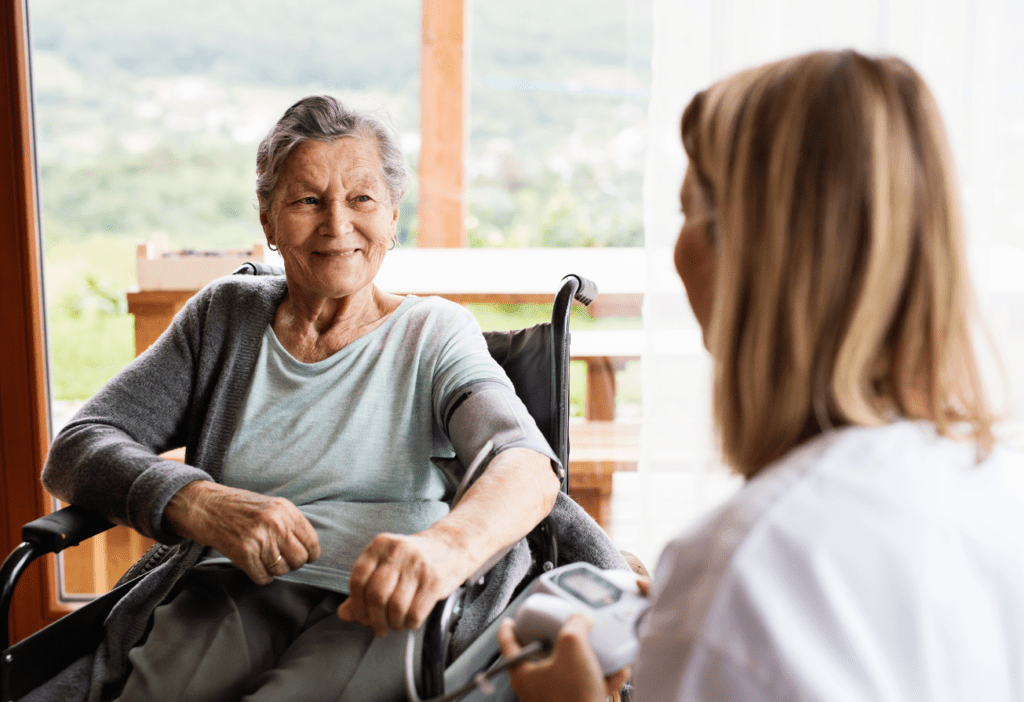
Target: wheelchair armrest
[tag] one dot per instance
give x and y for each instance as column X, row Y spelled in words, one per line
column 65, row 527
column 50, row 534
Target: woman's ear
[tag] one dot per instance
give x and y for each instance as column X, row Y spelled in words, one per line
column 268, row 227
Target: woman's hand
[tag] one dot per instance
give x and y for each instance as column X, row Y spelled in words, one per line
column 264, row 536
column 397, row 580
column 570, row 674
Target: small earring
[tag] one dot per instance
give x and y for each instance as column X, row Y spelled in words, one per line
column 394, row 243
column 271, row 246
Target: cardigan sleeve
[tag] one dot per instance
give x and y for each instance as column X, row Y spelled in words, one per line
column 106, row 458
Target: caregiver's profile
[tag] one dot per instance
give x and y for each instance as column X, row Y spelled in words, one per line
column 876, row 550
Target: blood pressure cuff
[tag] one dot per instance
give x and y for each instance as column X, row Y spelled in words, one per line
column 491, row 411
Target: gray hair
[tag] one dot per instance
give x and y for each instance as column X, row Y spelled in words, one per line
column 324, row 118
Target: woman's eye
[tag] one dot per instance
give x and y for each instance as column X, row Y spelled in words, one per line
column 309, row 201
column 362, row 198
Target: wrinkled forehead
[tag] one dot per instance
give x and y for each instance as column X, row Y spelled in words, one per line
column 354, row 160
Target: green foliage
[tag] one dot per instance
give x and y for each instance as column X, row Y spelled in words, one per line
column 91, row 334
column 164, row 190
column 96, row 298
column 344, row 45
column 552, row 214
column 86, row 351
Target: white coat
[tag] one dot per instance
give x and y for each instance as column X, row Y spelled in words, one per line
column 877, row 564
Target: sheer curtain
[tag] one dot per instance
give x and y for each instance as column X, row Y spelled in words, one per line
column 969, row 54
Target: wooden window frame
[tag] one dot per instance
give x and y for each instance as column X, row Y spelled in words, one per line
column 24, row 417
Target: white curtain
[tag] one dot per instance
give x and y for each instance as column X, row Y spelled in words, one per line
column 968, row 52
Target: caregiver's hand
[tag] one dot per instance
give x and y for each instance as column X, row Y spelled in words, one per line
column 570, row 674
column 397, row 579
column 264, row 536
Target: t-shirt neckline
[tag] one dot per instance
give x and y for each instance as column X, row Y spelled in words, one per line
column 351, row 347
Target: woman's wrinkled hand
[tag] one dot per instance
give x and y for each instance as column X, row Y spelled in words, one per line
column 264, row 536
column 570, row 674
column 397, row 579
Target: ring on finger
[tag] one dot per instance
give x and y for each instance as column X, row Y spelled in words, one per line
column 279, row 559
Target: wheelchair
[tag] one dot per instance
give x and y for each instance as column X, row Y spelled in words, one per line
column 536, row 360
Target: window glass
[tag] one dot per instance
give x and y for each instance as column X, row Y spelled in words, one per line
column 557, row 125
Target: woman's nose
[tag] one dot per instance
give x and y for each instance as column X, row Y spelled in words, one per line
column 337, row 220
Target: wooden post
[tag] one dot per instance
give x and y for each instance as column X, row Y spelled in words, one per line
column 444, row 101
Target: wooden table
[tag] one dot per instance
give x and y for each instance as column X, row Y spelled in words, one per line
column 597, row 450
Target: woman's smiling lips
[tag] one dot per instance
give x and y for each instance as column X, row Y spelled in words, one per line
column 342, row 253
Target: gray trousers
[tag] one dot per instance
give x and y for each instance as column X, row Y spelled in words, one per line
column 219, row 637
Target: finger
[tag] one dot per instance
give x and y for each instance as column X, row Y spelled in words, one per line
column 573, row 641
column 299, row 541
column 615, row 681
column 377, row 596
column 276, row 565
column 427, row 595
column 576, row 629
column 507, row 639
column 355, row 605
column 374, row 556
column 293, row 551
column 250, row 560
column 256, row 570
column 345, row 611
column 307, row 536
column 399, row 614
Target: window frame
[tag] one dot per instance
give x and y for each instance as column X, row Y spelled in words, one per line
column 24, row 416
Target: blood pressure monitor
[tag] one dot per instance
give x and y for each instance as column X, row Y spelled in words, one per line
column 610, row 597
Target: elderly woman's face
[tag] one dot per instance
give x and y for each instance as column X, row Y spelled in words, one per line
column 695, row 257
column 331, row 217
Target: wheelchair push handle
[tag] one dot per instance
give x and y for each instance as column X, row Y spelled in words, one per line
column 254, row 268
column 587, row 290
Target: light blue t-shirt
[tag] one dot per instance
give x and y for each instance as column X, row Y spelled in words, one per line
column 349, row 439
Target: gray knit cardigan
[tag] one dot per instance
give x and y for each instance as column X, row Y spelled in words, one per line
column 186, row 390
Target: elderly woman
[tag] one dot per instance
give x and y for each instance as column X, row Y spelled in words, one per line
column 310, row 408
column 875, row 550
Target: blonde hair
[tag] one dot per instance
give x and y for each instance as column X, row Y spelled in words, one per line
column 842, row 296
